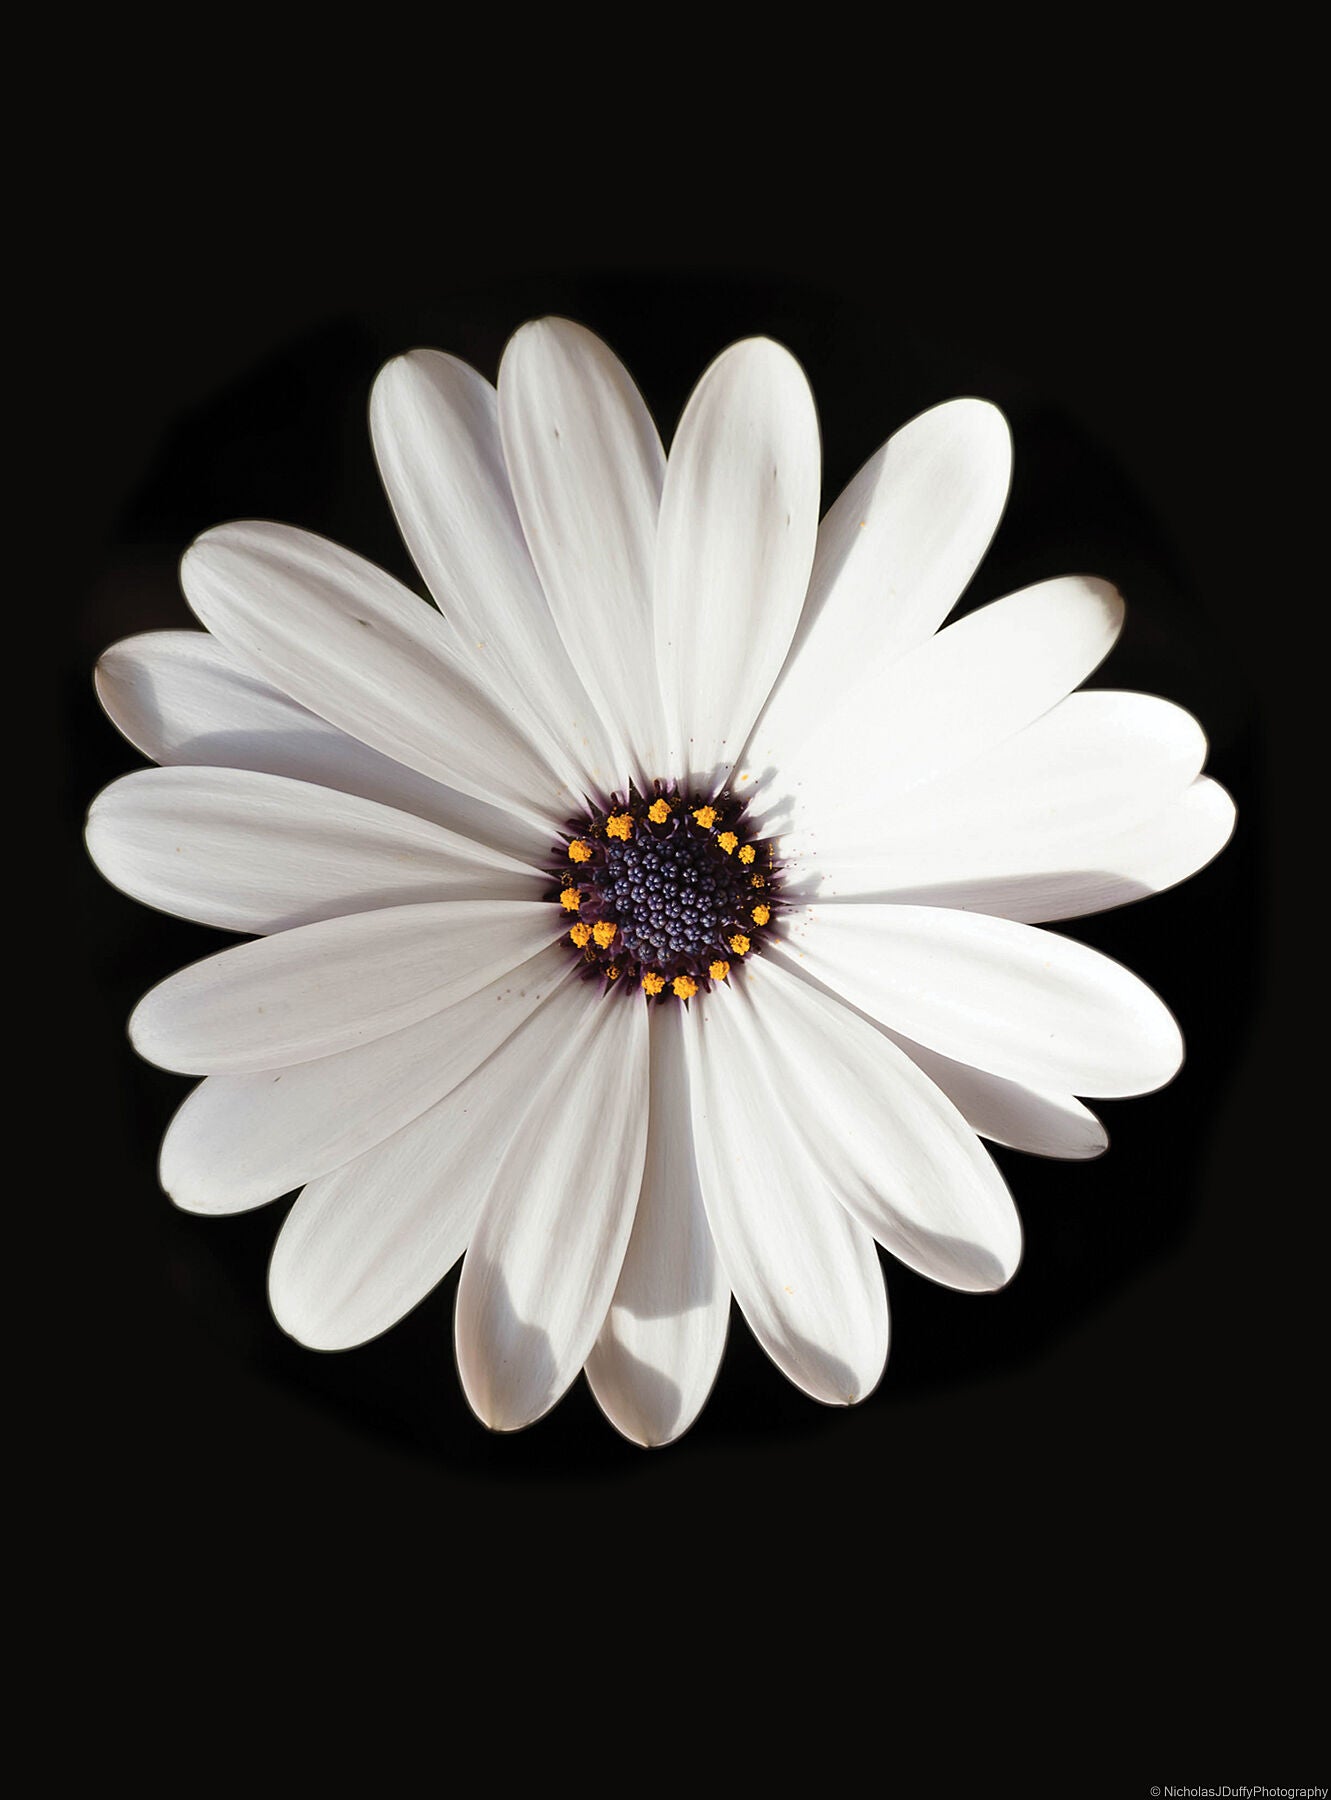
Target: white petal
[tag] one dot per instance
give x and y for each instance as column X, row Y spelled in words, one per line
column 958, row 696
column 587, row 466
column 894, row 554
column 353, row 645
column 1039, row 1121
column 541, row 1270
column 1048, row 799
column 259, row 853
column 182, row 698
column 365, row 1244
column 1146, row 859
column 805, row 1274
column 1026, row 1004
column 739, row 521
column 323, row 988
column 1036, row 1120
column 888, row 1143
column 241, row 1140
column 660, row 1347
column 435, row 423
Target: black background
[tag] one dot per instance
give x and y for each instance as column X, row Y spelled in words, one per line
column 1082, row 1508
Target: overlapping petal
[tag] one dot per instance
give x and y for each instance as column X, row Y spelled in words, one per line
column 324, row 988
column 1037, row 1120
column 894, row 554
column 365, row 1244
column 435, row 424
column 738, row 526
column 1025, row 1004
column 353, row 645
column 660, row 1347
column 586, row 467
column 805, row 1273
column 1068, row 881
column 542, row 1267
column 242, row 1140
column 182, row 698
column 260, row 853
column 887, row 1143
column 955, row 698
column 1048, row 798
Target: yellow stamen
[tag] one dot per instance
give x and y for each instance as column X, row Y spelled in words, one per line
column 719, row 970
column 652, row 984
column 706, row 816
column 580, row 852
column 659, row 811
column 619, row 825
column 612, row 973
column 747, row 853
column 757, row 881
column 727, row 841
column 685, row 987
column 740, row 944
column 604, row 933
column 580, row 933
column 570, row 899
column 761, row 914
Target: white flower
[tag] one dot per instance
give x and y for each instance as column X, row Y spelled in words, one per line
column 655, row 919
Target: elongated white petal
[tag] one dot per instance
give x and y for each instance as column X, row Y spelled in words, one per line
column 739, row 521
column 1047, row 799
column 805, row 1273
column 259, row 853
column 887, row 1142
column 241, row 1140
column 1026, row 1004
column 353, row 645
column 326, row 987
column 1132, row 865
column 365, row 1244
column 660, row 1347
column 435, row 424
column 541, row 1270
column 956, row 697
column 183, row 698
column 586, row 466
column 894, row 554
column 1036, row 1120
column 1040, row 1121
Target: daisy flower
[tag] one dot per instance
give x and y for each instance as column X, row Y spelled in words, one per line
column 655, row 917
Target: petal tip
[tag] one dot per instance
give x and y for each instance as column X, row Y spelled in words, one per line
column 1110, row 599
column 984, row 415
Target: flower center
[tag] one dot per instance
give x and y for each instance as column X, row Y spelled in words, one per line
column 671, row 895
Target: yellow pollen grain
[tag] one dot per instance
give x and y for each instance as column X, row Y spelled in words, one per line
column 718, row 970
column 580, row 852
column 619, row 825
column 761, row 914
column 740, row 944
column 570, row 899
column 580, row 933
column 747, row 853
column 727, row 841
column 659, row 811
column 604, row 933
column 652, row 984
column 706, row 816
column 685, row 987
column 612, row 973
column 757, row 881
